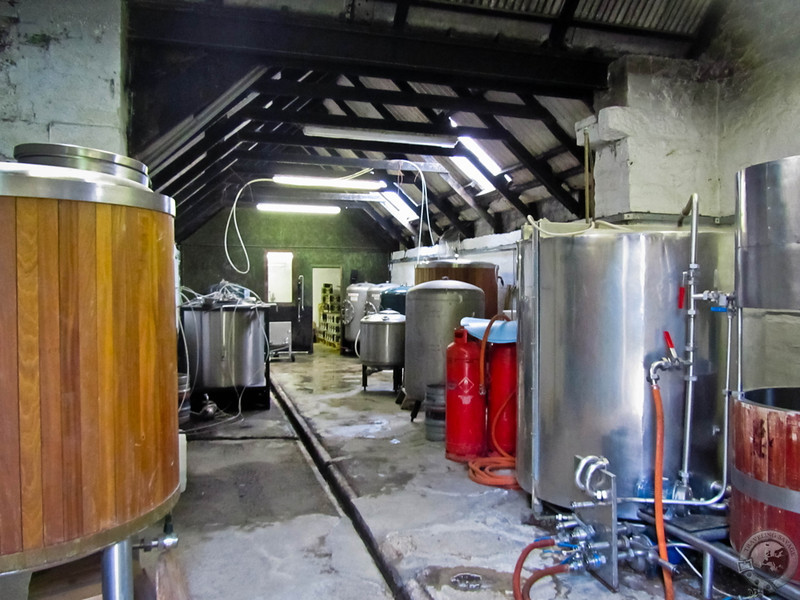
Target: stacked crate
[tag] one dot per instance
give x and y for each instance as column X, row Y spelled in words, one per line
column 330, row 331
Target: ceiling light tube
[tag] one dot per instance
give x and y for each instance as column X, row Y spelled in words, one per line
column 378, row 135
column 366, row 185
column 309, row 209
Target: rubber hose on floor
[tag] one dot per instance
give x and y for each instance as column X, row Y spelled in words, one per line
column 517, row 577
column 541, row 573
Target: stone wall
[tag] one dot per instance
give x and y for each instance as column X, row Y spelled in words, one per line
column 61, row 71
column 760, row 103
column 667, row 128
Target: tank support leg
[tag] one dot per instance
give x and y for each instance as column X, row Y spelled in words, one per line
column 397, row 379
column 118, row 571
column 708, row 576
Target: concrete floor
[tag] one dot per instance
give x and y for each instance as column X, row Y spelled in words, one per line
column 256, row 522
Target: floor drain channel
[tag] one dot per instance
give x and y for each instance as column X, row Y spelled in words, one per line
column 466, row 582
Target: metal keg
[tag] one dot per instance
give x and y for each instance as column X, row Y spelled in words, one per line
column 434, row 405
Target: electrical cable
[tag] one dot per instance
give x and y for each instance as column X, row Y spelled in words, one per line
column 424, row 208
column 700, row 575
column 232, row 217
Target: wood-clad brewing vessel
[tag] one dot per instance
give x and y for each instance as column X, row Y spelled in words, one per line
column 765, row 498
column 88, row 383
column 480, row 274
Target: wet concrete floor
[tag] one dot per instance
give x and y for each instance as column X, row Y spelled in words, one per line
column 256, row 522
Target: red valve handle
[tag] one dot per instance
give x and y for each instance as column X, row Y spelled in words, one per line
column 670, row 345
column 681, row 296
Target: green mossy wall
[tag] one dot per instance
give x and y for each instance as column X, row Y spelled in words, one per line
column 350, row 240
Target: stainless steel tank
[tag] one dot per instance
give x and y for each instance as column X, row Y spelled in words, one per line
column 382, row 339
column 374, row 294
column 767, row 264
column 225, row 343
column 433, row 311
column 353, row 307
column 593, row 310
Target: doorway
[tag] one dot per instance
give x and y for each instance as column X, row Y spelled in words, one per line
column 320, row 276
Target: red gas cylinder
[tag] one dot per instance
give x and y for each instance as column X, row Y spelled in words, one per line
column 465, row 410
column 502, row 421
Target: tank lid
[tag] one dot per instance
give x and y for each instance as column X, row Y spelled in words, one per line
column 455, row 263
column 385, row 316
column 87, row 159
column 445, row 285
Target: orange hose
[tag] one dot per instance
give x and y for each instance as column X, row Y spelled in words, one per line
column 658, row 491
column 517, row 577
column 539, row 574
column 488, row 470
column 493, row 470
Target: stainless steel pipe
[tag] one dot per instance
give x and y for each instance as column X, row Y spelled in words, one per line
column 118, row 571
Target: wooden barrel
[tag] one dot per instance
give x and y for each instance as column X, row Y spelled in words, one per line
column 88, row 374
column 765, row 478
column 480, row 274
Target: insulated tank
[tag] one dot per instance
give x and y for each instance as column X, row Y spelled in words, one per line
column 765, row 500
column 394, row 299
column 433, row 311
column 480, row 274
column 593, row 309
column 88, row 363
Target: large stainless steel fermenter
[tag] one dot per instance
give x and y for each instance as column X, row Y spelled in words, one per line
column 593, row 309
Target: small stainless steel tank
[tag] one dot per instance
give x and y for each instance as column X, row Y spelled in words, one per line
column 433, row 311
column 382, row 339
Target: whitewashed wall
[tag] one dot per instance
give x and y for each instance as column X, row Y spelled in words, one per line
column 760, row 107
column 61, row 71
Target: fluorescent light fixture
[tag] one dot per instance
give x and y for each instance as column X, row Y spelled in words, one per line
column 366, row 185
column 308, row 209
column 378, row 135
